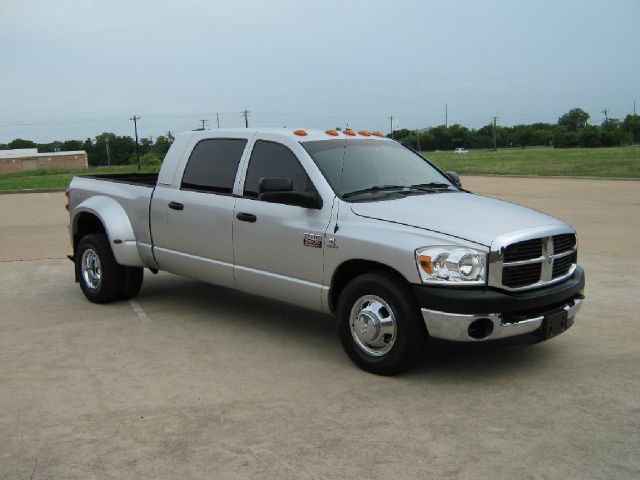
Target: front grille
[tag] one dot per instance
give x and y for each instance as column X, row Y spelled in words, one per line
column 521, row 275
column 523, row 250
column 562, row 265
column 537, row 261
column 563, row 243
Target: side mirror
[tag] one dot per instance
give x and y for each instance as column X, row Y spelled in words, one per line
column 275, row 184
column 455, row 178
column 280, row 190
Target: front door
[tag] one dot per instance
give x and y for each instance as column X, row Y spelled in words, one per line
column 278, row 248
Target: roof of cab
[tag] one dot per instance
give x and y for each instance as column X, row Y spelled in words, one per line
column 309, row 134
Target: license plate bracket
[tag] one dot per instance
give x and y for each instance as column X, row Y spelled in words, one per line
column 555, row 323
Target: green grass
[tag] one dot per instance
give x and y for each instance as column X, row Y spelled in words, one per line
column 30, row 179
column 621, row 162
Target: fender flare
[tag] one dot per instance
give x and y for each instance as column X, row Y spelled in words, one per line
column 117, row 226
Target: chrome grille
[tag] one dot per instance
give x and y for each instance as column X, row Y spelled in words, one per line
column 523, row 263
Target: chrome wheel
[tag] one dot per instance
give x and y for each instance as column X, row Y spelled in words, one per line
column 91, row 269
column 373, row 325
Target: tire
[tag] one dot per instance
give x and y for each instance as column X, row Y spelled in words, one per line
column 388, row 334
column 101, row 277
column 132, row 282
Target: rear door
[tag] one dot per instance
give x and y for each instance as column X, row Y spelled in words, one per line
column 193, row 233
column 278, row 248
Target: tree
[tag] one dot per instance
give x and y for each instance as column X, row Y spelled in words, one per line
column 20, row 143
column 631, row 125
column 590, row 136
column 574, row 119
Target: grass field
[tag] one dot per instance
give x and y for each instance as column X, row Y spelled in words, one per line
column 56, row 178
column 621, row 162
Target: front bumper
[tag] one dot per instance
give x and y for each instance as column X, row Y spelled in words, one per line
column 469, row 315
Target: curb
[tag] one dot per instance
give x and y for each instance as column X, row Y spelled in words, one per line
column 32, row 190
column 551, row 177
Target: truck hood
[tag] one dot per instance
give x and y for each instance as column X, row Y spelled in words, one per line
column 464, row 215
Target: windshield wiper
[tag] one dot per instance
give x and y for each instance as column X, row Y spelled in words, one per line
column 373, row 189
column 431, row 186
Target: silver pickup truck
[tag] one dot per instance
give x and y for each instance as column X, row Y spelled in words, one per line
column 342, row 222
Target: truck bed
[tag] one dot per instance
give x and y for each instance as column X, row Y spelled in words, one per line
column 143, row 179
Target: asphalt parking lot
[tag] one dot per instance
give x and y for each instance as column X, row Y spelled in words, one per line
column 195, row 381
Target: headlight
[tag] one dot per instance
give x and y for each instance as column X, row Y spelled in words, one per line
column 451, row 264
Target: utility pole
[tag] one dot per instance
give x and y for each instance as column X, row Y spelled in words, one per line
column 218, row 119
column 606, row 117
column 135, row 119
column 245, row 114
column 108, row 153
column 493, row 129
column 170, row 136
column 418, row 138
column 203, row 123
column 391, row 120
column 634, row 108
column 446, row 115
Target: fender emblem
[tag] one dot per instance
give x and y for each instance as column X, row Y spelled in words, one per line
column 312, row 240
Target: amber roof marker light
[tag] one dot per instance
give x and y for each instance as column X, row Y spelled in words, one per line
column 377, row 134
column 331, row 132
column 350, row 132
column 364, row 133
column 301, row 133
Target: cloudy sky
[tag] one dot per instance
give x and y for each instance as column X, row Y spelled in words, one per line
column 73, row 69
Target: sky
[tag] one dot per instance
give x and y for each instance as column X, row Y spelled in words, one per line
column 74, row 69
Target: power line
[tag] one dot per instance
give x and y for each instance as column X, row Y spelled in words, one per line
column 135, row 119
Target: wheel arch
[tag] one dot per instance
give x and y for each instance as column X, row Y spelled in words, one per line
column 349, row 270
column 101, row 214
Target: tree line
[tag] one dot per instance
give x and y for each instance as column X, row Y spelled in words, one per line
column 121, row 149
column 572, row 130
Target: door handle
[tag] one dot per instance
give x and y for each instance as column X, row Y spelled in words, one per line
column 246, row 217
column 176, row 206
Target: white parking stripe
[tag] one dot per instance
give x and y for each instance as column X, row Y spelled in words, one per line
column 139, row 311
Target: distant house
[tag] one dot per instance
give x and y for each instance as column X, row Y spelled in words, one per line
column 21, row 159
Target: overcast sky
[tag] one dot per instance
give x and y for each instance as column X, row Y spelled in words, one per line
column 73, row 69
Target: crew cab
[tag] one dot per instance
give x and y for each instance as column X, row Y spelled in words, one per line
column 343, row 222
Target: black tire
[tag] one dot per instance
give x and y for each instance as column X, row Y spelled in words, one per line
column 132, row 282
column 410, row 332
column 111, row 274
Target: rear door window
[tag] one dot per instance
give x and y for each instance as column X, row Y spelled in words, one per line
column 213, row 164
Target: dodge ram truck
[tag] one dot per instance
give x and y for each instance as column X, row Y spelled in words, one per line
column 343, row 222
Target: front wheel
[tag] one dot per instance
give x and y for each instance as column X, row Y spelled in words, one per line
column 101, row 277
column 381, row 328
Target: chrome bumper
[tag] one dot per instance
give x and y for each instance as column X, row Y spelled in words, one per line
column 455, row 326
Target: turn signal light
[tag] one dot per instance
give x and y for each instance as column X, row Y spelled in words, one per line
column 348, row 131
column 425, row 263
column 364, row 133
column 302, row 133
column 331, row 132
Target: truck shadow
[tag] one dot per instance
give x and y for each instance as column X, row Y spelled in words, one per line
column 284, row 324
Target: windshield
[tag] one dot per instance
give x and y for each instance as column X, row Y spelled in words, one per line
column 374, row 167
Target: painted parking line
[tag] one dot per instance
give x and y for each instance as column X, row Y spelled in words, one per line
column 139, row 311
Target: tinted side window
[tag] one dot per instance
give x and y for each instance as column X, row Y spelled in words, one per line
column 213, row 164
column 270, row 159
